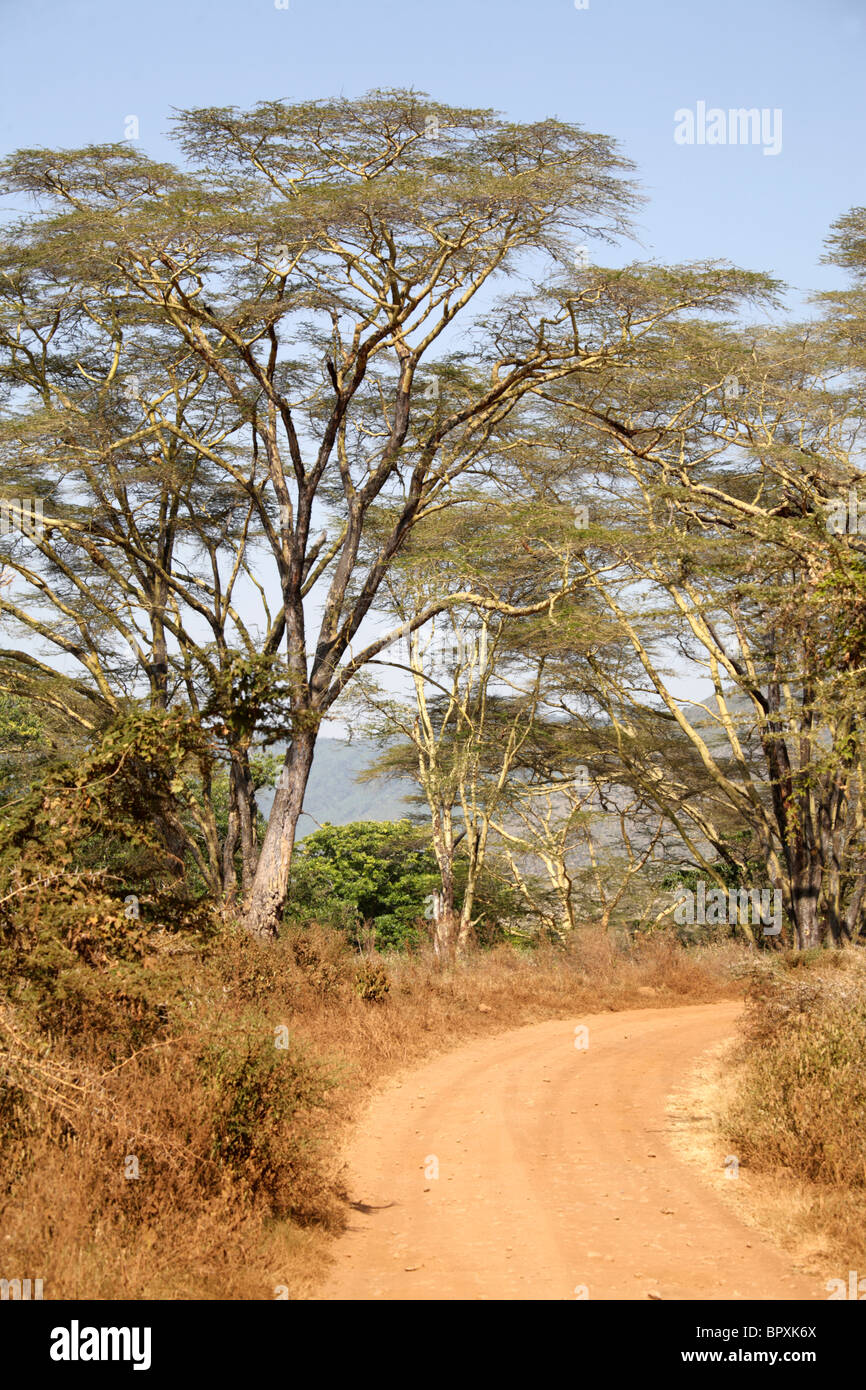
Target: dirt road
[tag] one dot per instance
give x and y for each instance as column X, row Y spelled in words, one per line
column 526, row 1167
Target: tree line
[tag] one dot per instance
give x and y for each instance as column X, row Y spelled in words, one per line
column 346, row 380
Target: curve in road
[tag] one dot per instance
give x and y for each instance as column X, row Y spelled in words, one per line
column 535, row 1165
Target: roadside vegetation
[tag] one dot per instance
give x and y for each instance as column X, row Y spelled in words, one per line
column 175, row 1131
column 342, row 418
column 798, row 1108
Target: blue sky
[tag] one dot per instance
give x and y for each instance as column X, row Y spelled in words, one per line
column 75, row 69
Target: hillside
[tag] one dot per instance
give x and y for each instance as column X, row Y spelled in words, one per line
column 335, row 795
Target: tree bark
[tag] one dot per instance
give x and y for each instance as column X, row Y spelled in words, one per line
column 246, row 810
column 804, row 905
column 464, row 926
column 230, row 844
column 445, row 927
column 269, row 890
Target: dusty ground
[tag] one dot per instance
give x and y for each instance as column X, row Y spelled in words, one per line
column 525, row 1167
column 779, row 1209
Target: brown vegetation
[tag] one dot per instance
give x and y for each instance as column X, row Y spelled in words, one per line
column 798, row 1109
column 229, row 1073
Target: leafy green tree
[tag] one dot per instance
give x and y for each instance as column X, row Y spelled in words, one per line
column 370, row 874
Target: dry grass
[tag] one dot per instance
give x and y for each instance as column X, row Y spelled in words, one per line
column 796, row 1113
column 179, row 1067
column 428, row 1008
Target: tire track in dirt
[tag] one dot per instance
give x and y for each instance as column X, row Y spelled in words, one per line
column 555, row 1175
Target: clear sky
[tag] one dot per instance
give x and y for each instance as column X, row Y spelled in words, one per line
column 74, row 70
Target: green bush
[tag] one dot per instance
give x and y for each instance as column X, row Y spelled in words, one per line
column 375, row 877
column 375, row 873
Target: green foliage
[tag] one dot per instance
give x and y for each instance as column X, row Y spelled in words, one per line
column 251, row 695
column 841, row 590
column 374, row 872
column 374, row 876
column 91, row 861
column 20, row 725
column 26, row 745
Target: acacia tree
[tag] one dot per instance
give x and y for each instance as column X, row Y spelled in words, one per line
column 311, row 269
column 460, row 738
column 311, row 263
column 724, row 456
column 131, row 575
column 565, row 823
column 476, row 674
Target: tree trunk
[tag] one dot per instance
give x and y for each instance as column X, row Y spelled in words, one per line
column 804, row 908
column 245, row 801
column 206, row 821
column 476, row 849
column 267, row 896
column 445, row 928
column 559, row 876
column 464, row 927
column 175, row 839
column 445, row 935
column 230, row 844
column 854, row 911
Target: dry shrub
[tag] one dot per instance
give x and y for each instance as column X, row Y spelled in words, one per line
column 228, row 1071
column 372, row 981
column 801, row 1102
column 146, row 1177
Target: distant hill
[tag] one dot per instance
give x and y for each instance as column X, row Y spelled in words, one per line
column 334, row 794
